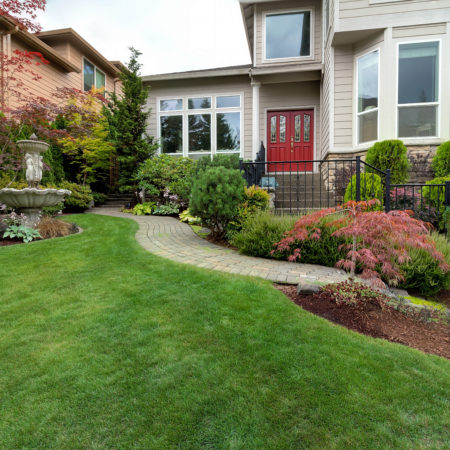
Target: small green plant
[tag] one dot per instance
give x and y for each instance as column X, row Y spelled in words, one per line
column 21, row 232
column 80, row 199
column 99, row 198
column 167, row 210
column 144, row 209
column 227, row 161
column 186, row 217
column 390, row 154
column 216, row 195
column 441, row 161
column 370, row 187
column 435, row 197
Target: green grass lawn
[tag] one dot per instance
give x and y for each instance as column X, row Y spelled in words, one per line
column 105, row 345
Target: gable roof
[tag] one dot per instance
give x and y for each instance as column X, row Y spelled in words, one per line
column 36, row 44
column 69, row 34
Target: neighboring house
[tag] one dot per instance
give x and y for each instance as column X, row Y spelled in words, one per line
column 74, row 63
column 327, row 79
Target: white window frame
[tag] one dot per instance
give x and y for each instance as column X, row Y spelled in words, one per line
column 213, row 111
column 95, row 74
column 311, row 10
column 407, row 105
column 358, row 114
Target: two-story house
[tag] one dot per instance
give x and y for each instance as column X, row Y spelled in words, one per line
column 327, row 79
column 73, row 62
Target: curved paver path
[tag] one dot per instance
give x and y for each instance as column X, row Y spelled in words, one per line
column 172, row 239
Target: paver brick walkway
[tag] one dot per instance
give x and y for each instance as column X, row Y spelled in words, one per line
column 174, row 240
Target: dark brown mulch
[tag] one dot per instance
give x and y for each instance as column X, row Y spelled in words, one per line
column 389, row 324
column 5, row 242
column 221, row 242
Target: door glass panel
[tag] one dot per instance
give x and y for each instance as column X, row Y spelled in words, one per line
column 273, row 129
column 307, row 125
column 282, row 129
column 298, row 123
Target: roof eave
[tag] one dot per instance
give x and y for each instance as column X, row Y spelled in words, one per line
column 208, row 73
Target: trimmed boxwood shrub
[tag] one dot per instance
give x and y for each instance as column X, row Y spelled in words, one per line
column 81, row 198
column 370, row 187
column 216, row 195
column 219, row 160
column 390, row 154
column 441, row 161
column 435, row 197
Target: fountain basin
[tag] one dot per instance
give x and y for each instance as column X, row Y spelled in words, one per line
column 32, row 197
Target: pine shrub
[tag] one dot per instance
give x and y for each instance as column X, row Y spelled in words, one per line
column 441, row 161
column 216, row 195
column 390, row 154
column 370, row 187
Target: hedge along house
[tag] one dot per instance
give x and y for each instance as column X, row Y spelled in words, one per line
column 327, row 79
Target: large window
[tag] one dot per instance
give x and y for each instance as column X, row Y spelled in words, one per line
column 367, row 108
column 288, row 35
column 93, row 77
column 418, row 89
column 195, row 126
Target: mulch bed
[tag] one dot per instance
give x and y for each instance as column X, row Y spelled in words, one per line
column 389, row 324
column 5, row 242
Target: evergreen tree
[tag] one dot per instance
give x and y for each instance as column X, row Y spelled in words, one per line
column 127, row 120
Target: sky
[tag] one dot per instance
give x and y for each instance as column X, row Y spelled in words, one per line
column 173, row 35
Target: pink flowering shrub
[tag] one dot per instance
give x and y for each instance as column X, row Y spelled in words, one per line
column 376, row 243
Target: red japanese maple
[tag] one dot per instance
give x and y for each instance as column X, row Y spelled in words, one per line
column 23, row 12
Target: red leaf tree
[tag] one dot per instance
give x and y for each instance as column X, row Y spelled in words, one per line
column 23, row 12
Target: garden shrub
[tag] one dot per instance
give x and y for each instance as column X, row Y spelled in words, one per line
column 167, row 178
column 435, row 197
column 99, row 198
column 144, row 209
column 216, row 195
column 441, row 161
column 370, row 187
column 170, row 209
column 260, row 231
column 218, row 160
column 390, row 154
column 53, row 210
column 81, row 198
column 186, row 217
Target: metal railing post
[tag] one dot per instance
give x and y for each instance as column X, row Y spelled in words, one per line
column 358, row 178
column 447, row 194
column 387, row 199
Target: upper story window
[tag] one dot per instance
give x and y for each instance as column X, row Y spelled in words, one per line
column 418, row 89
column 367, row 108
column 288, row 35
column 93, row 77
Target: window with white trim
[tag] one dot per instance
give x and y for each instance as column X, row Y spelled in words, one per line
column 288, row 35
column 418, row 89
column 93, row 77
column 198, row 126
column 367, row 107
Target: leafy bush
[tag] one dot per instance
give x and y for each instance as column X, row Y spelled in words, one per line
column 260, row 231
column 370, row 187
column 376, row 243
column 53, row 210
column 99, row 198
column 441, row 161
column 186, row 217
column 216, row 195
column 50, row 228
column 167, row 210
column 144, row 209
column 435, row 197
column 167, row 178
column 219, row 160
column 6, row 180
column 390, row 154
column 21, row 232
column 81, row 197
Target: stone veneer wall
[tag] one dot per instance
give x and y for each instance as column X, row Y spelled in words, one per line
column 420, row 158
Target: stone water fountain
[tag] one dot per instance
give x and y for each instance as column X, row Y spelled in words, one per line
column 32, row 199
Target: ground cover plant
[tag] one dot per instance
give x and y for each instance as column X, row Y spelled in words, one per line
column 441, row 161
column 105, row 345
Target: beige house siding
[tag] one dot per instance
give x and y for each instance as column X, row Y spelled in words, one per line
column 418, row 31
column 343, row 95
column 261, row 9
column 205, row 86
column 281, row 96
column 362, row 14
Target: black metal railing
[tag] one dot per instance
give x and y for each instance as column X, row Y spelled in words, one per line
column 297, row 187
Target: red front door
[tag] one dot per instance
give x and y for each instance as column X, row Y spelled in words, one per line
column 290, row 137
